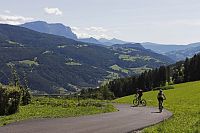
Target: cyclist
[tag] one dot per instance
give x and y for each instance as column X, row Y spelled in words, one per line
column 160, row 97
column 138, row 98
column 139, row 94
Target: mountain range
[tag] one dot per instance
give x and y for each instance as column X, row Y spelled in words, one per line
column 53, row 62
column 62, row 30
column 179, row 55
column 90, row 40
column 174, row 51
column 110, row 42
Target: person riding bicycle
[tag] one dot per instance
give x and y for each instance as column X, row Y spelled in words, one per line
column 138, row 98
column 139, row 94
column 161, row 97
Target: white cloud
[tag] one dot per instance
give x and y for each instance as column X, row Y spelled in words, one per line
column 75, row 28
column 96, row 32
column 54, row 11
column 14, row 19
column 7, row 11
column 97, row 29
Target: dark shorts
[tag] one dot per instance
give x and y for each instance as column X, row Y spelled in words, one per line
column 160, row 99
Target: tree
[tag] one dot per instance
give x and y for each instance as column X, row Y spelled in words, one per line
column 162, row 75
column 168, row 74
column 106, row 93
column 186, row 70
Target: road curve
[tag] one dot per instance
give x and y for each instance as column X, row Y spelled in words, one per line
column 127, row 119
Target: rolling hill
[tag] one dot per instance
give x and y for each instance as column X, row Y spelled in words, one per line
column 175, row 52
column 163, row 48
column 110, row 42
column 182, row 54
column 54, row 62
column 90, row 40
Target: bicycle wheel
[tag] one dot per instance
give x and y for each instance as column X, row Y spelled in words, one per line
column 143, row 102
column 160, row 107
column 135, row 102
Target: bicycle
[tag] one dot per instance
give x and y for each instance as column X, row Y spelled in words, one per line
column 160, row 106
column 137, row 102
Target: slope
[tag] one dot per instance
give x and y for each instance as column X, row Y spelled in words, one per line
column 163, row 48
column 184, row 103
column 182, row 54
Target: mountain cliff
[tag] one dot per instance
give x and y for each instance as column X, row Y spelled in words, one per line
column 54, row 28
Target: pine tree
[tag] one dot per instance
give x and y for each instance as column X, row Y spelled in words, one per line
column 186, row 70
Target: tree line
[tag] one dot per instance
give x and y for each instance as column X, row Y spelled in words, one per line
column 183, row 71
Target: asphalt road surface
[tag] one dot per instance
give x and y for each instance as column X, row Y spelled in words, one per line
column 127, row 119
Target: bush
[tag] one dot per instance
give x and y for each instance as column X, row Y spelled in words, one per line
column 102, row 93
column 85, row 103
column 9, row 99
column 106, row 94
column 164, row 87
column 26, row 97
column 65, row 103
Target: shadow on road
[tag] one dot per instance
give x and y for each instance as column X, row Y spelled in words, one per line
column 156, row 112
column 134, row 106
column 137, row 106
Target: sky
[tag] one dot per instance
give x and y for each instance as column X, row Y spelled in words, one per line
column 159, row 21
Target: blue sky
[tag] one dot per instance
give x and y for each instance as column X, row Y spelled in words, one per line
column 160, row 21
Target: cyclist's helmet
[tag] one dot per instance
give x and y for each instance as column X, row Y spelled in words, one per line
column 160, row 90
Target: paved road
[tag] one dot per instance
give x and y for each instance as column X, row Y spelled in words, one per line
column 127, row 119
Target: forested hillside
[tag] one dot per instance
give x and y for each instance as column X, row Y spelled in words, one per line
column 180, row 72
column 54, row 63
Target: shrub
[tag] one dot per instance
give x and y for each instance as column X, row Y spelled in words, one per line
column 9, row 99
column 65, row 103
column 106, row 94
column 102, row 93
column 90, row 102
column 164, row 87
column 26, row 97
column 15, row 81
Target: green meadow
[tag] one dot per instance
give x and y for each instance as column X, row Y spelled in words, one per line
column 183, row 102
column 44, row 107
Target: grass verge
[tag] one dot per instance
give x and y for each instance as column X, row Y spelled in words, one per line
column 183, row 102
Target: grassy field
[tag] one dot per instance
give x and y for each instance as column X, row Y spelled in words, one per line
column 134, row 58
column 73, row 64
column 42, row 107
column 118, row 68
column 139, row 70
column 183, row 102
column 29, row 62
